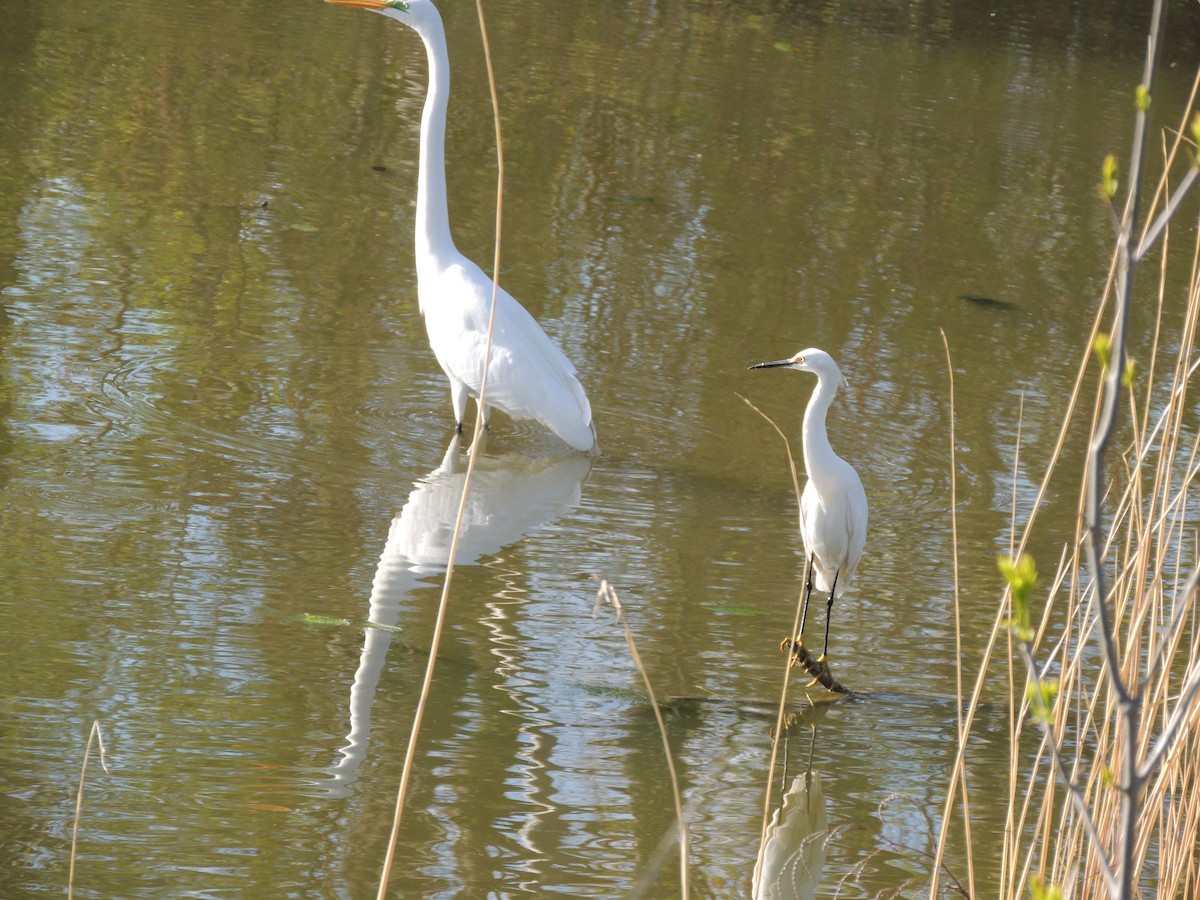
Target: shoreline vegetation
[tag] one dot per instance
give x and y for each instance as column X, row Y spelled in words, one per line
column 1104, row 680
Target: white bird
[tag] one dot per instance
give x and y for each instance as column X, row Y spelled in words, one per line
column 529, row 377
column 833, row 507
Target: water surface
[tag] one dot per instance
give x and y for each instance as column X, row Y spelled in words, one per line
column 218, row 411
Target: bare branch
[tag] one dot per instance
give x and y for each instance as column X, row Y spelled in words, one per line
column 1166, row 215
column 1177, row 720
column 1064, row 774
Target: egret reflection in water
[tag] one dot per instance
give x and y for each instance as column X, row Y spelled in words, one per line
column 510, row 496
column 793, row 858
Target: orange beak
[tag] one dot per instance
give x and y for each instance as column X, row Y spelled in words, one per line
column 374, row 5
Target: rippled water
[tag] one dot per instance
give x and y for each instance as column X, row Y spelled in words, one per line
column 225, row 485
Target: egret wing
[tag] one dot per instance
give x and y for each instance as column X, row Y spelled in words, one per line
column 529, row 376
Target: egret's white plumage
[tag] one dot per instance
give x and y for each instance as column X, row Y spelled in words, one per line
column 833, row 507
column 529, row 377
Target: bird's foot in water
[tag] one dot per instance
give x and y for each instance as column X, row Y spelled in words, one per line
column 816, row 666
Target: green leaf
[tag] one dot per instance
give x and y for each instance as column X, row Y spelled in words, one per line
column 1020, row 575
column 1143, row 98
column 1040, row 890
column 1103, row 349
column 1108, row 179
column 1129, row 376
column 1041, row 696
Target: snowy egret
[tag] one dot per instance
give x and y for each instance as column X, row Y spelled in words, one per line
column 833, row 508
column 529, row 377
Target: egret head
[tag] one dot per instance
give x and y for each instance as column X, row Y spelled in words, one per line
column 812, row 360
column 413, row 13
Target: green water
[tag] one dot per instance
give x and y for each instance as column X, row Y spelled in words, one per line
column 216, row 394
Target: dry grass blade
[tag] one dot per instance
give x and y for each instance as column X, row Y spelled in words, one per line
column 958, row 650
column 443, row 602
column 98, row 735
column 791, row 459
column 607, row 595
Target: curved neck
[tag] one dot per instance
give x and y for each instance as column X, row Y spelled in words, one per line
column 433, row 218
column 818, row 453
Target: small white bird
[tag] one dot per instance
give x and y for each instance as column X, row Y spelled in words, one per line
column 833, row 508
column 529, row 377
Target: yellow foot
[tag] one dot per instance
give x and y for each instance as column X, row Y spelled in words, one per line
column 794, row 646
column 819, row 669
column 815, row 666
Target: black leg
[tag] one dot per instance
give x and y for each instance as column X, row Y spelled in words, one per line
column 807, row 593
column 829, row 611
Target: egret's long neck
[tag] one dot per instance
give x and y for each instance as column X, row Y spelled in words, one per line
column 818, row 454
column 433, row 219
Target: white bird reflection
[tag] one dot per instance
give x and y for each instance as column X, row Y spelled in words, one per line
column 794, row 854
column 510, row 496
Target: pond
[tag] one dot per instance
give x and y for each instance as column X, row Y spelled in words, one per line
column 226, row 447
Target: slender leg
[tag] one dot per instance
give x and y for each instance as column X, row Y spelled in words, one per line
column 829, row 611
column 807, row 594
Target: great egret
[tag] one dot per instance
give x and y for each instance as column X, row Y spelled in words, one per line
column 529, row 377
column 833, row 508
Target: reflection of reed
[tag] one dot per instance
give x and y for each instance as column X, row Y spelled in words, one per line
column 510, row 496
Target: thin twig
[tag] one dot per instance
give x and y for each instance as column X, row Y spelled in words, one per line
column 1166, row 215
column 1178, row 718
column 608, row 595
column 791, row 460
column 1128, row 705
column 1077, row 797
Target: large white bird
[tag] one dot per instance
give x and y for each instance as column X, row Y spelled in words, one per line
column 529, row 377
column 833, row 507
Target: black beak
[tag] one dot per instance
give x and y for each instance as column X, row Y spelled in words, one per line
column 772, row 365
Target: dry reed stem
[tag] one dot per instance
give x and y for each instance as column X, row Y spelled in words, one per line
column 443, row 602
column 87, row 750
column 608, row 595
column 958, row 673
